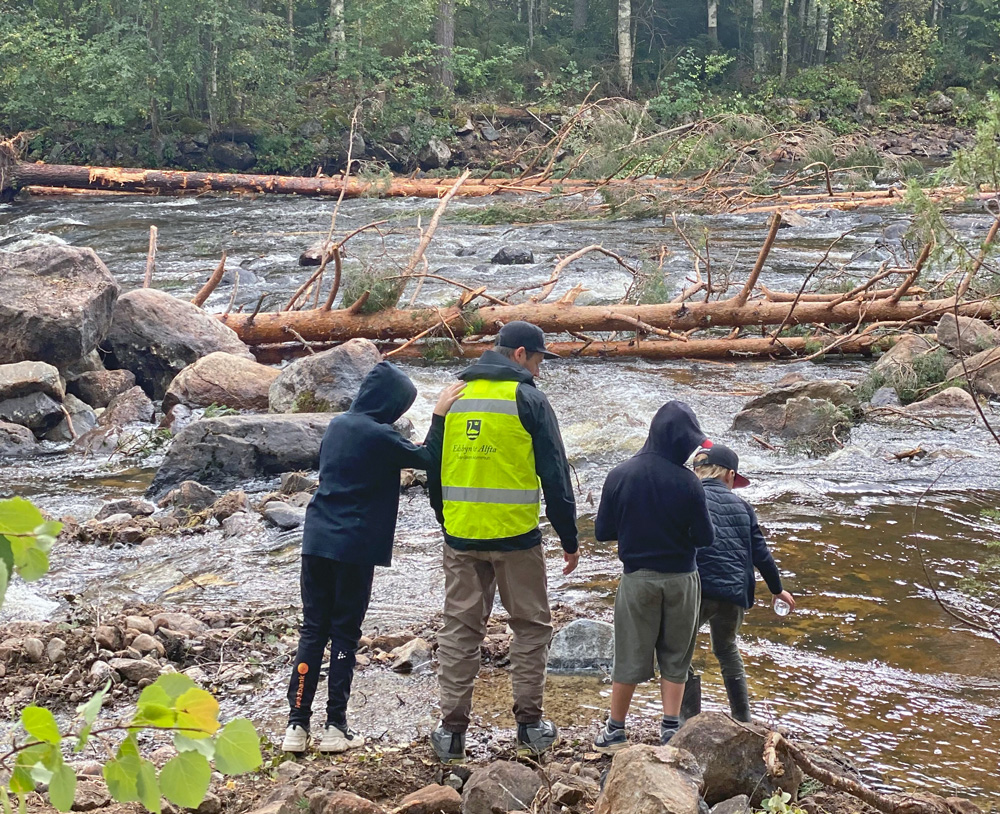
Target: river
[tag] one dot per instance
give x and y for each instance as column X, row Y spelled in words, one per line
column 869, row 663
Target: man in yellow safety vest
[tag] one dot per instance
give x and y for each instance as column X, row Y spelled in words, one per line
column 502, row 450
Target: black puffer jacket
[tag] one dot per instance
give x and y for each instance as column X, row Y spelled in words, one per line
column 726, row 566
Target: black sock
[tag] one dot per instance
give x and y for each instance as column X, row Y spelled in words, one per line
column 613, row 724
column 671, row 722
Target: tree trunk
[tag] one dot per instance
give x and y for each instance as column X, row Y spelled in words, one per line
column 759, row 55
column 713, row 20
column 784, row 41
column 822, row 30
column 808, row 32
column 625, row 45
column 543, row 13
column 531, row 25
column 579, row 16
column 291, row 32
column 335, row 30
column 446, row 42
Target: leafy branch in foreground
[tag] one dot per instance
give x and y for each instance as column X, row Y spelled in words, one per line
column 26, row 538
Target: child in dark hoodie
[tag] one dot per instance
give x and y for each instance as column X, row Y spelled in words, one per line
column 349, row 529
column 655, row 508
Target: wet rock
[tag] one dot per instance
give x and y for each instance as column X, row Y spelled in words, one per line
column 391, row 641
column 294, row 482
column 179, row 622
column 313, row 256
column 156, row 336
column 55, row 650
column 885, row 397
column 233, row 155
column 903, row 353
column 98, row 388
column 411, row 656
column 191, row 497
column 229, row 504
column 145, row 643
column 222, row 379
column 983, row 372
column 91, row 363
column 56, row 306
column 22, row 378
column 82, row 419
column 91, row 794
column 131, row 407
column 939, row 103
column 950, row 401
column 432, row 799
column 108, row 637
column 16, row 441
column 739, row 804
column 513, row 257
column 283, row 515
column 36, row 411
column 136, row 670
column 489, row 132
column 238, row 524
column 959, row 805
column 584, row 645
column 143, row 624
column 965, row 335
column 33, row 649
column 210, row 805
column 226, row 451
column 647, row 779
column 500, row 787
column 808, row 421
column 564, row 794
column 399, row 135
column 833, row 390
column 731, row 757
column 100, row 671
column 434, row 155
column 324, row 382
column 132, row 506
column 792, row 219
column 342, row 802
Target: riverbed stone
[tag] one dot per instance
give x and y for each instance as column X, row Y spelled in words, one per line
column 82, row 418
column 324, row 382
column 136, row 670
column 179, row 622
column 131, row 407
column 156, row 335
column 433, row 799
column 411, row 656
column 91, row 794
column 190, row 497
column 811, row 422
column 99, row 387
column 833, row 390
column 740, row 804
column 145, row 643
column 652, row 780
column 55, row 650
column 56, row 306
column 885, row 397
column 16, row 441
column 902, row 353
column 584, row 645
column 342, row 802
column 132, row 506
column 283, row 515
column 983, row 372
column 966, row 335
column 731, row 758
column 226, row 451
column 33, row 649
column 296, row 482
column 36, row 411
column 513, row 256
column 950, row 401
column 222, row 379
column 500, row 787
column 237, row 156
column 22, row 378
column 434, row 155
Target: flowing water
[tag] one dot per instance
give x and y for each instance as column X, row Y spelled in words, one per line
column 869, row 662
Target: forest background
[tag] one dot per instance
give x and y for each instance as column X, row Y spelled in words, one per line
column 277, row 73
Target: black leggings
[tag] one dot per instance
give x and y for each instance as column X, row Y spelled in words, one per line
column 335, row 598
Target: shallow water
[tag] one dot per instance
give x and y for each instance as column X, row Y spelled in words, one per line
column 869, row 663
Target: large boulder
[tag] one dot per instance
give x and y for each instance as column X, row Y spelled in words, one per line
column 156, row 336
column 98, row 387
column 902, row 354
column 227, row 451
column 810, row 422
column 434, row 155
column 22, row 378
column 950, row 401
column 731, row 758
column 832, row 390
column 324, row 382
column 584, row 645
column 966, row 335
column 80, row 418
column 652, row 780
column 983, row 370
column 56, row 305
column 500, row 787
column 36, row 411
column 223, row 379
column 16, row 441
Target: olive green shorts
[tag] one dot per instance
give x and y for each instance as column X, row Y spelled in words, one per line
column 655, row 614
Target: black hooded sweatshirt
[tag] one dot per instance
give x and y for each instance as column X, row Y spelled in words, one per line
column 652, row 505
column 352, row 516
column 538, row 418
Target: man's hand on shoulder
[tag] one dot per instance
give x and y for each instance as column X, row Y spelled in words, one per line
column 448, row 397
column 572, row 561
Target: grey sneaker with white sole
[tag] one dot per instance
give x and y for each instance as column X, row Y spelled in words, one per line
column 335, row 739
column 296, row 739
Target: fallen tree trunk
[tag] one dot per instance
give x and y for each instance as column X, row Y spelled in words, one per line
column 272, row 328
column 655, row 349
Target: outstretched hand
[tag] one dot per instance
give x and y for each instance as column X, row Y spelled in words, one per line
column 572, row 561
column 448, row 397
column 787, row 597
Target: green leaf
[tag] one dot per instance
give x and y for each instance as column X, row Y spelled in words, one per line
column 82, row 738
column 19, row 516
column 121, row 775
column 204, row 746
column 184, row 779
column 173, row 686
column 6, row 555
column 62, row 788
column 20, row 781
column 92, row 708
column 148, row 787
column 198, row 713
column 40, row 724
column 155, row 715
column 37, row 753
column 35, row 565
column 50, row 528
column 237, row 748
column 4, row 580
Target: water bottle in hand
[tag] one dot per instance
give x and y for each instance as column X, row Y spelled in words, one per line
column 781, row 607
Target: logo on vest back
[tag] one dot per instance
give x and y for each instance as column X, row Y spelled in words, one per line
column 473, row 426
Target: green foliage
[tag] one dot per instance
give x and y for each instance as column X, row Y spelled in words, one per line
column 824, row 89
column 980, row 163
column 219, row 410
column 924, row 376
column 26, row 539
column 683, row 92
column 384, row 289
column 778, row 803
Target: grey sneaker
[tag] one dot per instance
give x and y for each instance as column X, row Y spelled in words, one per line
column 536, row 738
column 448, row 746
column 666, row 733
column 296, row 739
column 610, row 740
column 337, row 740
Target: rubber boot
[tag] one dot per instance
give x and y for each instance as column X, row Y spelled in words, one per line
column 739, row 702
column 691, row 702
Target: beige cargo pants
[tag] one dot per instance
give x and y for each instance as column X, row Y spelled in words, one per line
column 471, row 579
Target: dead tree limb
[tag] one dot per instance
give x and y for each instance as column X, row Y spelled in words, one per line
column 212, row 283
column 765, row 250
column 147, row 280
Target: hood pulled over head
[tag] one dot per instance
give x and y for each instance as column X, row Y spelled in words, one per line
column 386, row 393
column 674, row 433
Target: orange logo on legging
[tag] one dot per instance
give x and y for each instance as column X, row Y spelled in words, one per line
column 302, row 669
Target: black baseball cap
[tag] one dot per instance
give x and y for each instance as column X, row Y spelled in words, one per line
column 520, row 334
column 719, row 455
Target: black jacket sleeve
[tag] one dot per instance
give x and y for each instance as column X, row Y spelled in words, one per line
column 606, row 522
column 701, row 532
column 539, row 420
column 408, row 455
column 435, row 439
column 762, row 559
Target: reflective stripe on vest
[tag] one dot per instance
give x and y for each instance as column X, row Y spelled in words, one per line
column 489, row 485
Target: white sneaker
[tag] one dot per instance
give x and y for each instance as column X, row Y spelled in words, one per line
column 336, row 739
column 296, row 739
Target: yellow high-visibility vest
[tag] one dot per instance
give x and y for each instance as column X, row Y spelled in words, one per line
column 488, row 480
